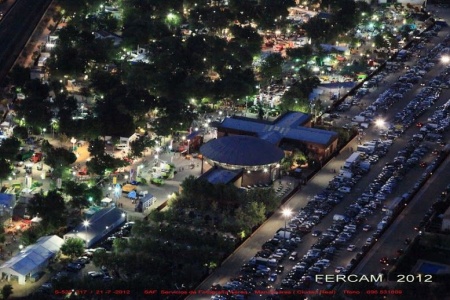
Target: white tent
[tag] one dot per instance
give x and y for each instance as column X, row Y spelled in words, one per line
column 32, row 259
column 36, row 220
column 106, row 200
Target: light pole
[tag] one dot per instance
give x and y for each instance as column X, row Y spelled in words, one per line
column 73, row 141
column 116, row 194
column 188, row 141
column 379, row 123
column 86, row 225
column 53, row 123
column 125, row 216
column 286, row 214
column 157, row 149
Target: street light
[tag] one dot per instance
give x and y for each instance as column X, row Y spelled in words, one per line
column 124, row 215
column 53, row 123
column 379, row 123
column 86, row 225
column 286, row 214
column 73, row 141
column 445, row 59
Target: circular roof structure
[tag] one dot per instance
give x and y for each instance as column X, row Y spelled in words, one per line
column 242, row 151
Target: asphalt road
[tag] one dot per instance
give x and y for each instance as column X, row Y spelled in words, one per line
column 15, row 29
column 393, row 239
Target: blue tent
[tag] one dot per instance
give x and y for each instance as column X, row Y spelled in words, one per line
column 132, row 195
column 7, row 200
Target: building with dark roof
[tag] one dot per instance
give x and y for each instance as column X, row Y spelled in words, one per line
column 217, row 175
column 289, row 131
column 100, row 224
column 226, row 158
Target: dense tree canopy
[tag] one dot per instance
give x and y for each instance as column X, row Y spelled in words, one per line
column 5, row 169
column 9, row 148
column 73, row 247
column 51, row 208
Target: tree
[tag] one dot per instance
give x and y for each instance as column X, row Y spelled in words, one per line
column 380, row 41
column 138, row 146
column 97, row 147
column 31, row 235
column 5, row 169
column 20, row 132
column 100, row 258
column 51, row 208
column 94, row 193
column 120, row 245
column 101, row 163
column 36, row 112
column 77, row 192
column 318, row 30
column 248, row 37
column 303, row 54
column 73, row 247
column 271, row 68
column 19, row 75
column 9, row 148
column 256, row 212
column 59, row 158
column 7, row 290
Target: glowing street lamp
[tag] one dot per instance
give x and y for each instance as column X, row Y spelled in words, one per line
column 380, row 123
column 73, row 141
column 86, row 225
column 445, row 59
column 286, row 214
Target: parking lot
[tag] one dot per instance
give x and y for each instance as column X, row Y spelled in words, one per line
column 349, row 215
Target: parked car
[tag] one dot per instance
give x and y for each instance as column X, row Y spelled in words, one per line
column 73, row 267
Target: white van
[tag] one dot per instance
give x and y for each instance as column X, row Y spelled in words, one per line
column 121, row 146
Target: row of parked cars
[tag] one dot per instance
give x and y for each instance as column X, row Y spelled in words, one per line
column 265, row 266
column 344, row 229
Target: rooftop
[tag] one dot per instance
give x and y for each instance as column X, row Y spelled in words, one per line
column 288, row 126
column 241, row 150
column 218, row 175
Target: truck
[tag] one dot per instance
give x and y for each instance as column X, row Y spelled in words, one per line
column 260, row 261
column 36, row 157
column 24, row 155
column 365, row 149
column 346, row 174
column 395, row 206
column 352, row 160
